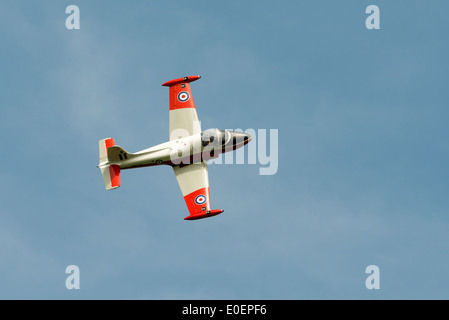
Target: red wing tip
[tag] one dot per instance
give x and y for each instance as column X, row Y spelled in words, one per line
column 208, row 214
column 180, row 80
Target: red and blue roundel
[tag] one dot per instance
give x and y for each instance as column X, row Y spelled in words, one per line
column 200, row 199
column 183, row 96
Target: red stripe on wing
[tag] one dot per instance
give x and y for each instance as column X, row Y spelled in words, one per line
column 197, row 209
column 177, row 99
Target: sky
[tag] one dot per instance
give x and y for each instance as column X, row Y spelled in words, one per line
column 362, row 149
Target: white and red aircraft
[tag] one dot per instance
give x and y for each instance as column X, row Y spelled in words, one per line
column 187, row 151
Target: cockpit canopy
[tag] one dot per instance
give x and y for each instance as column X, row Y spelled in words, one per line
column 214, row 138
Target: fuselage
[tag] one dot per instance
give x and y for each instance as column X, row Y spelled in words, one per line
column 199, row 147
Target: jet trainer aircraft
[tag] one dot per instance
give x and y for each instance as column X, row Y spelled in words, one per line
column 187, row 151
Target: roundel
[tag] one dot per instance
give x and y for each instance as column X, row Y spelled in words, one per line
column 183, row 96
column 200, row 199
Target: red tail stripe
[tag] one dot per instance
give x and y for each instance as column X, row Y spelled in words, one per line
column 109, row 143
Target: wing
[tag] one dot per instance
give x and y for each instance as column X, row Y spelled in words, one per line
column 193, row 179
column 183, row 117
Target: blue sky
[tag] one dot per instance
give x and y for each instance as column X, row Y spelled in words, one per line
column 363, row 150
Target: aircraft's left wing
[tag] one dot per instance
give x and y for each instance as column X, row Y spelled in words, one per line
column 193, row 179
column 183, row 117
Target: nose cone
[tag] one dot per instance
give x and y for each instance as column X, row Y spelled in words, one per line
column 247, row 138
column 235, row 140
column 240, row 138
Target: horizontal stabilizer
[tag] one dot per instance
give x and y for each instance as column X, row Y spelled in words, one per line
column 110, row 173
column 111, row 176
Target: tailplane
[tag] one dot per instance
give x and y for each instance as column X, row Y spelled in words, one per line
column 111, row 176
column 110, row 172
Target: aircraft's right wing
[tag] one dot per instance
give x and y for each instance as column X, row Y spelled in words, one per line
column 183, row 117
column 193, row 179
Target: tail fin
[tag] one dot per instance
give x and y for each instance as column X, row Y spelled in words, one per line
column 105, row 144
column 111, row 173
column 116, row 153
